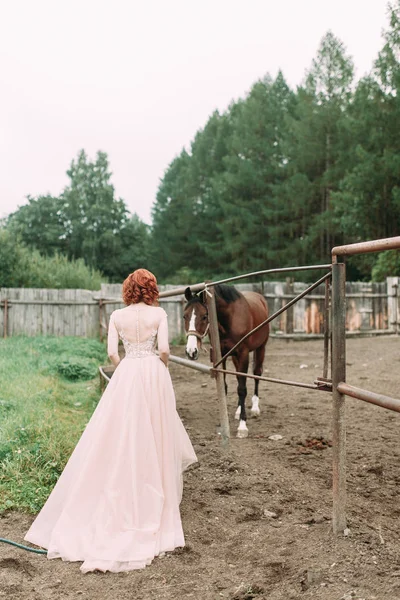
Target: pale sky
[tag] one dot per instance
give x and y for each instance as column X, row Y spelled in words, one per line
column 137, row 79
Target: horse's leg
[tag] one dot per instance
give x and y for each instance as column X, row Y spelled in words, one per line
column 241, row 363
column 238, row 410
column 259, row 354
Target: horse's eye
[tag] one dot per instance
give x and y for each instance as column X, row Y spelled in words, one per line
column 204, row 318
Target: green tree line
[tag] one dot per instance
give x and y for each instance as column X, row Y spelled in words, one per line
column 85, row 231
column 284, row 175
column 278, row 179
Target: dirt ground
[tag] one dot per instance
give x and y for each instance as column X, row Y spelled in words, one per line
column 257, row 517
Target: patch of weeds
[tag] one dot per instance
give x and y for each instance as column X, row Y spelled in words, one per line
column 6, row 405
column 75, row 369
column 6, row 451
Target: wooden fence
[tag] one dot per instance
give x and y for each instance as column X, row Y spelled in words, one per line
column 371, row 308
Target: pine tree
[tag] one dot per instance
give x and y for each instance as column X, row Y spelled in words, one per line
column 255, row 165
column 321, row 152
column 368, row 203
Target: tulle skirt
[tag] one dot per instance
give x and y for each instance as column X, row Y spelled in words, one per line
column 116, row 504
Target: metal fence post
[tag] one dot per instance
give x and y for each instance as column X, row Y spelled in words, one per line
column 216, row 356
column 338, row 376
column 326, row 328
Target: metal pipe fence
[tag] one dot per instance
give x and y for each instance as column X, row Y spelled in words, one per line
column 392, row 243
column 372, row 397
column 339, row 386
column 199, row 287
column 336, row 335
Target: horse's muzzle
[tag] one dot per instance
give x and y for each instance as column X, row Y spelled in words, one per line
column 192, row 354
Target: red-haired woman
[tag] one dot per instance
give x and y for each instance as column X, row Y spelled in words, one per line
column 116, row 504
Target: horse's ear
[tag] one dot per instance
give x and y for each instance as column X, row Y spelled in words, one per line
column 203, row 297
column 188, row 294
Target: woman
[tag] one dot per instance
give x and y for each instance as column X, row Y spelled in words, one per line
column 116, row 504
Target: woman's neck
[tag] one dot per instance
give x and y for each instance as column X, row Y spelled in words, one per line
column 139, row 304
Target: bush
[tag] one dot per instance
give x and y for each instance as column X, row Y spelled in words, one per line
column 184, row 276
column 75, row 359
column 76, row 369
column 22, row 267
column 387, row 265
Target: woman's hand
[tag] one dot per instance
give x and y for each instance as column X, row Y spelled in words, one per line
column 164, row 358
column 115, row 359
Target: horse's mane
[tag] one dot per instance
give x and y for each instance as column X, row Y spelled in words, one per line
column 228, row 293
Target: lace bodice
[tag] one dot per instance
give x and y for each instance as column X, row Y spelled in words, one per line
column 139, row 349
column 140, row 327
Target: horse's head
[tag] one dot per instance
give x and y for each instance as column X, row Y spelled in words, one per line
column 195, row 315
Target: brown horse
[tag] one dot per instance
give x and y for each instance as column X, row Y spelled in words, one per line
column 238, row 313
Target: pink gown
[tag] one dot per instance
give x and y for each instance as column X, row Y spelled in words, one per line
column 116, row 504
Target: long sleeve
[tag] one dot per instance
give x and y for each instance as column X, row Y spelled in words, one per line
column 112, row 341
column 162, row 335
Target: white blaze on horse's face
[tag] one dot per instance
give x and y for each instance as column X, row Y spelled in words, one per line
column 191, row 345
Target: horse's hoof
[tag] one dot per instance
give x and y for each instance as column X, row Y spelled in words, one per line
column 255, row 412
column 237, row 413
column 242, row 431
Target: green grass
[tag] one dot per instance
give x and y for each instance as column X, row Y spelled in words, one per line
column 49, row 388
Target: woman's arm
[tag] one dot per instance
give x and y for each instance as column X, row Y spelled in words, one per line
column 112, row 342
column 162, row 339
